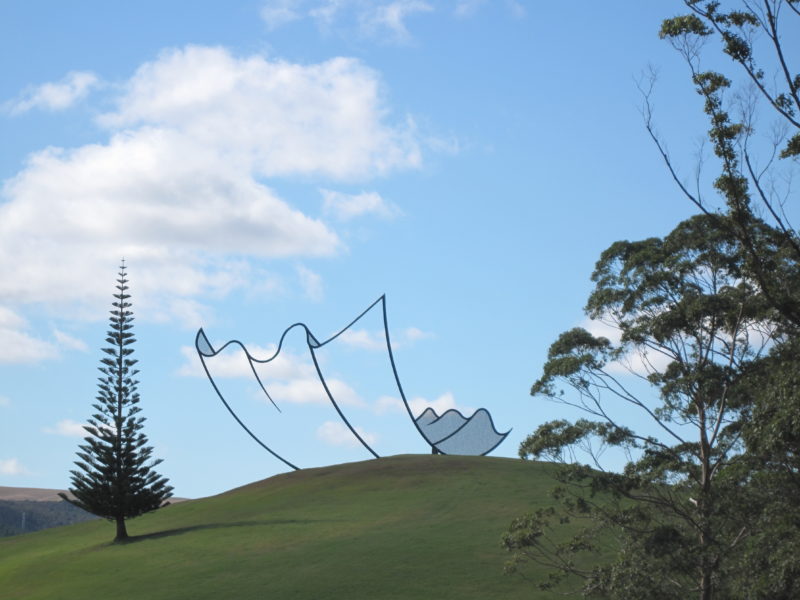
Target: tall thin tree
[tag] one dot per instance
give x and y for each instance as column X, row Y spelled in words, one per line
column 115, row 478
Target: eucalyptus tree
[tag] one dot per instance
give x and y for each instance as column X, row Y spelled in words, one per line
column 689, row 326
column 753, row 110
column 115, row 476
column 761, row 95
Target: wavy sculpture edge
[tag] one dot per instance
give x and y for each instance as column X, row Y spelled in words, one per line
column 206, row 350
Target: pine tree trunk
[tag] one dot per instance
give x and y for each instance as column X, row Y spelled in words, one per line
column 122, row 531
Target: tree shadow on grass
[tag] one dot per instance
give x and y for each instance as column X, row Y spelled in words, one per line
column 182, row 530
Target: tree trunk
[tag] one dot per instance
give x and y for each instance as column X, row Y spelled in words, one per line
column 122, row 531
column 706, row 590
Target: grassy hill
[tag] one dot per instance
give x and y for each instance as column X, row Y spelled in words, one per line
column 413, row 527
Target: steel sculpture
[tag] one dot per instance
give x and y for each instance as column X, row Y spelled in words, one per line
column 450, row 433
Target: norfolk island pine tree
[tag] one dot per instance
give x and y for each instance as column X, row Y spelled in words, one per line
column 115, row 476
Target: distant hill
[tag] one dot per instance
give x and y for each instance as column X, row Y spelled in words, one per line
column 37, row 494
column 416, row 527
column 25, row 516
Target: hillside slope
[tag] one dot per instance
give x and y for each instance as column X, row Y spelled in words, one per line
column 399, row 527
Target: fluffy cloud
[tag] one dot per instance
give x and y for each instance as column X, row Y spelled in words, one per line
column 55, row 96
column 418, row 405
column 11, row 466
column 336, row 433
column 366, row 340
column 379, row 20
column 413, row 334
column 389, row 404
column 467, row 8
column 311, row 283
column 279, row 117
column 376, row 340
column 276, row 13
column 69, row 342
column 640, row 363
column 349, row 206
column 234, row 364
column 174, row 210
column 288, row 378
column 384, row 21
column 16, row 345
column 178, row 187
column 441, row 405
column 391, row 17
column 310, row 391
column 67, row 427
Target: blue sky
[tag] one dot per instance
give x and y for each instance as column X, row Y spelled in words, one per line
column 279, row 161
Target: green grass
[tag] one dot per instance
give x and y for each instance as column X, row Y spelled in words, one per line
column 414, row 527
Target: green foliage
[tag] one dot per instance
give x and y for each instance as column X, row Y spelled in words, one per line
column 767, row 564
column 695, row 326
column 792, row 146
column 709, row 318
column 746, row 189
column 683, row 25
column 770, row 567
column 115, row 478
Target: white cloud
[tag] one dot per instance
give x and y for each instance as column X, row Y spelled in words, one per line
column 278, row 117
column 391, row 17
column 190, row 313
column 16, row 345
column 445, row 402
column 69, row 342
column 383, row 21
column 413, row 334
column 343, row 393
column 11, row 466
column 310, row 391
column 288, row 377
column 325, row 12
column 467, row 8
column 336, row 433
column 276, row 13
column 10, row 320
column 389, row 404
column 172, row 209
column 55, row 96
column 444, row 144
column 441, row 405
column 67, row 427
column 639, row 363
column 349, row 206
column 311, row 283
column 418, row 405
column 366, row 340
column 602, row 329
column 376, row 340
column 4, row 401
column 178, row 188
column 234, row 364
